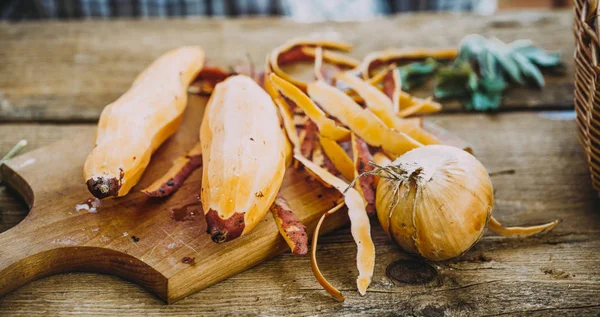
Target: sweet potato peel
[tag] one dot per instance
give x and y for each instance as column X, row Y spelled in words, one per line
column 392, row 87
column 278, row 55
column 361, row 121
column 403, row 103
column 319, row 63
column 290, row 227
column 308, row 138
column 331, row 57
column 173, row 179
column 376, row 59
column 313, row 257
column 327, row 126
column 365, row 184
column 383, row 108
column 338, row 157
column 359, row 225
column 207, row 79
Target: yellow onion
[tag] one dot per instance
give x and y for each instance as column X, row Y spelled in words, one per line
column 436, row 200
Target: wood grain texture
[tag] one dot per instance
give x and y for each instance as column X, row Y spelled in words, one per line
column 555, row 274
column 70, row 71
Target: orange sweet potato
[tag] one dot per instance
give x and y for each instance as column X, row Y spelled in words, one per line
column 135, row 125
column 243, row 154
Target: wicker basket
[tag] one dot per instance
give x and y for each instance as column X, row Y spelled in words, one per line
column 587, row 82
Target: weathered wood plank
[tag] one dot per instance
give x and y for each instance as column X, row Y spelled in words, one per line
column 555, row 274
column 70, row 71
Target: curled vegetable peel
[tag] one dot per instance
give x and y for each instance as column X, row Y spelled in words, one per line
column 313, row 257
column 274, row 56
column 338, row 156
column 364, row 185
column 359, row 224
column 361, row 121
column 375, row 59
column 291, row 229
column 383, row 108
column 331, row 56
column 327, row 127
column 182, row 167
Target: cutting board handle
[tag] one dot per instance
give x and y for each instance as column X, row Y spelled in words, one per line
column 26, row 254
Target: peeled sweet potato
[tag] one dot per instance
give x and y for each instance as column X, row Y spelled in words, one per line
column 135, row 125
column 243, row 154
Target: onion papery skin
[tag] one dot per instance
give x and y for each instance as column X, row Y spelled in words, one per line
column 444, row 199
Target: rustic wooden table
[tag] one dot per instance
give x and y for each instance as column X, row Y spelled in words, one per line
column 56, row 77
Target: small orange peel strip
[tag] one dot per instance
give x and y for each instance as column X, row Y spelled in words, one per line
column 327, row 127
column 274, row 59
column 380, row 75
column 498, row 228
column 308, row 138
column 381, row 159
column 397, row 92
column 365, row 185
column 318, row 53
column 313, row 257
column 419, row 107
column 359, row 226
column 173, row 179
column 375, row 59
column 361, row 121
column 290, row 227
column 332, row 57
column 383, row 108
column 338, row 157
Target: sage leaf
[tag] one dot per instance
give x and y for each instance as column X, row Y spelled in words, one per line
column 529, row 69
column 539, row 56
column 502, row 53
column 483, row 102
column 416, row 74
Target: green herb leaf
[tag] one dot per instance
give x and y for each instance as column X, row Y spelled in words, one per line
column 471, row 46
column 539, row 56
column 503, row 53
column 452, row 81
column 492, row 85
column 529, row 69
column 416, row 74
column 483, row 102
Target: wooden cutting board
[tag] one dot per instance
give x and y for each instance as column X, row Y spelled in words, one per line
column 134, row 237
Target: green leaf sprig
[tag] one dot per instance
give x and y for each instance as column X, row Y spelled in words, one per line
column 483, row 70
